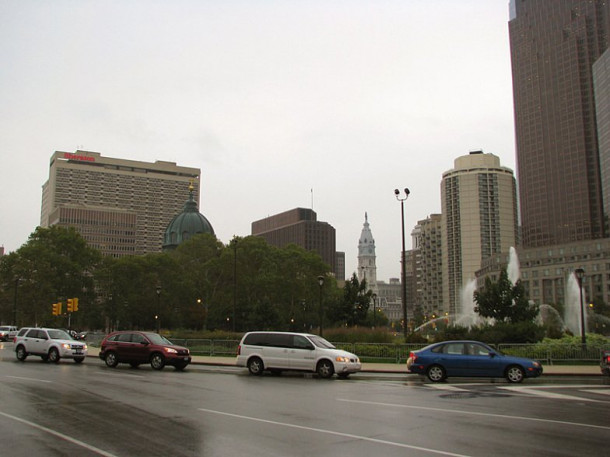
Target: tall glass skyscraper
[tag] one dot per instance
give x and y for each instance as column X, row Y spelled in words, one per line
column 554, row 44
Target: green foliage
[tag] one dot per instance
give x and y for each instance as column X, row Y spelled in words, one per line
column 358, row 335
column 504, row 302
column 501, row 332
column 352, row 309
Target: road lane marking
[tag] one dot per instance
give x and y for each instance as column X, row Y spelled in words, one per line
column 28, row 379
column 330, row 432
column 446, row 387
column 474, row 413
column 598, row 391
column 541, row 393
column 59, row 435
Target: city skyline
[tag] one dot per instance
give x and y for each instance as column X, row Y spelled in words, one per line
column 281, row 105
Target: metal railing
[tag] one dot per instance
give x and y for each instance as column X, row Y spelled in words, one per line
column 398, row 353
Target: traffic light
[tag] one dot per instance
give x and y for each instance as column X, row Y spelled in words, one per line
column 57, row 309
column 70, row 305
column 75, row 304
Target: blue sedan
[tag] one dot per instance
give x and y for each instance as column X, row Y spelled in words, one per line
column 470, row 359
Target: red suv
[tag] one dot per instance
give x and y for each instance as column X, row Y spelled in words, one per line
column 135, row 348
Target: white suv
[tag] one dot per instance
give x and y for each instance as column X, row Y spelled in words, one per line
column 8, row 332
column 50, row 344
column 277, row 351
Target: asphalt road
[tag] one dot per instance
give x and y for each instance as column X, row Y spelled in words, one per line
column 67, row 409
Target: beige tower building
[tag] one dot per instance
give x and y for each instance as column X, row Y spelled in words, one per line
column 427, row 241
column 479, row 219
column 121, row 207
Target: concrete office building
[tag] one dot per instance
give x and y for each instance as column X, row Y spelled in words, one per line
column 299, row 226
column 428, row 269
column 479, row 219
column 554, row 45
column 121, row 207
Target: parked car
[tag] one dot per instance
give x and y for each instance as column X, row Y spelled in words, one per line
column 8, row 332
column 278, row 351
column 470, row 359
column 605, row 363
column 49, row 343
column 136, row 348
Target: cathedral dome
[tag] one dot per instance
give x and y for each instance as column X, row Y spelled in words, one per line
column 188, row 223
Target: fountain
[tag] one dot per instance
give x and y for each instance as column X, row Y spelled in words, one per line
column 513, row 269
column 571, row 316
column 467, row 316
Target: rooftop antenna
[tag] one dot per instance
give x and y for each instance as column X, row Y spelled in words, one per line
column 312, row 198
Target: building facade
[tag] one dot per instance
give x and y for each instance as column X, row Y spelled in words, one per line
column 479, row 219
column 121, row 207
column 553, row 47
column 299, row 226
column 601, row 86
column 427, row 242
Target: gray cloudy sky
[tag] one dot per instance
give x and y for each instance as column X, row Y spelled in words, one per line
column 270, row 98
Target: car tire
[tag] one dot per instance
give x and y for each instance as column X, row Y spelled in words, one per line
column 436, row 373
column 79, row 359
column 111, row 359
column 515, row 374
column 256, row 366
column 54, row 355
column 325, row 369
column 157, row 361
column 21, row 353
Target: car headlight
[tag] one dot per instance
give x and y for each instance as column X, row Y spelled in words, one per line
column 170, row 350
column 536, row 364
column 84, row 346
column 65, row 346
column 340, row 358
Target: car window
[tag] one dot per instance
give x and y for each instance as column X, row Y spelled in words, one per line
column 321, row 342
column 32, row 333
column 155, row 338
column 454, row 348
column 137, row 338
column 124, row 337
column 58, row 335
column 476, row 349
column 300, row 342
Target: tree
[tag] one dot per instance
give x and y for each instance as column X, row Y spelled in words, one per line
column 353, row 307
column 504, row 302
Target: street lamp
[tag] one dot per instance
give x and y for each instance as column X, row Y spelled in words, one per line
column 234, row 241
column 321, row 282
column 157, row 317
column 580, row 274
column 402, row 258
column 15, row 302
column 374, row 309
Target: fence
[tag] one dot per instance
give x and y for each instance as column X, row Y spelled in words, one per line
column 398, row 353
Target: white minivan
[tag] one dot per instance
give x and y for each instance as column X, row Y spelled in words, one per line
column 278, row 351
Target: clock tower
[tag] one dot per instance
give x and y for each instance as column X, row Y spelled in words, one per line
column 367, row 270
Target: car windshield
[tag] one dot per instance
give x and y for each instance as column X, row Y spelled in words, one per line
column 321, row 342
column 58, row 335
column 158, row 339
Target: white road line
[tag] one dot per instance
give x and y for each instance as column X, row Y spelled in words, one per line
column 473, row 413
column 541, row 393
column 330, row 432
column 59, row 435
column 28, row 379
column 598, row 391
column 446, row 387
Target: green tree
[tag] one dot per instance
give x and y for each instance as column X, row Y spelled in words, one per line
column 504, row 301
column 353, row 307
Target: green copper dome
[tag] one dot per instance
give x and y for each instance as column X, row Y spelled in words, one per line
column 188, row 223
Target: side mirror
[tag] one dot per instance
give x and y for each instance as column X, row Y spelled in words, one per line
column 492, row 354
column 144, row 343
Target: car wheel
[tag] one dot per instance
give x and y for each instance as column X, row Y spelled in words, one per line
column 53, row 355
column 21, row 353
column 515, row 374
column 157, row 361
column 436, row 373
column 111, row 359
column 325, row 369
column 255, row 366
column 79, row 359
column 134, row 364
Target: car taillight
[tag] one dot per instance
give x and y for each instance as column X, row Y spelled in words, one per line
column 412, row 356
column 608, row 359
column 239, row 349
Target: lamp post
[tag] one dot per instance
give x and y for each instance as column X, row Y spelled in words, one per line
column 234, row 279
column 374, row 309
column 321, row 282
column 15, row 302
column 580, row 274
column 403, row 274
column 157, row 316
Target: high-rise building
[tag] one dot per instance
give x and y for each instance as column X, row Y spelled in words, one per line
column 299, row 226
column 553, row 47
column 479, row 219
column 367, row 267
column 428, row 270
column 121, row 207
column 601, row 85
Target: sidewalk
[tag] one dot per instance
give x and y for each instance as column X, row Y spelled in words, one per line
column 552, row 370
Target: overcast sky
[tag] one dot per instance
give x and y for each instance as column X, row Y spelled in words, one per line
column 271, row 99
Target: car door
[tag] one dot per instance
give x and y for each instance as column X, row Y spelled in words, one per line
column 479, row 362
column 123, row 347
column 139, row 349
column 36, row 341
column 453, row 359
column 276, row 352
column 302, row 354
